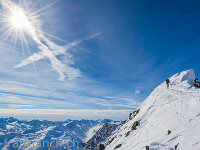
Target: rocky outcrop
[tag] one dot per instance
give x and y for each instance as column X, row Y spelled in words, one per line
column 97, row 141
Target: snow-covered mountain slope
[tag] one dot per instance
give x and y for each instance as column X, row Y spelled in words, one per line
column 100, row 136
column 12, row 130
column 167, row 118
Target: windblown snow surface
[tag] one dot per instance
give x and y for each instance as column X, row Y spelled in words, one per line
column 176, row 109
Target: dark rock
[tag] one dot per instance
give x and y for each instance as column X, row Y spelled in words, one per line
column 169, row 132
column 127, row 134
column 134, row 113
column 130, row 116
column 124, row 121
column 176, row 146
column 118, row 146
column 137, row 111
column 101, row 147
column 111, row 140
column 147, row 147
column 135, row 124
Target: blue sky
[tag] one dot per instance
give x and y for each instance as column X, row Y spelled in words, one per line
column 124, row 49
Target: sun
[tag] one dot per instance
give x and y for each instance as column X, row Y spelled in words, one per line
column 19, row 20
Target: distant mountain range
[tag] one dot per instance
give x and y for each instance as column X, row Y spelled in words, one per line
column 42, row 135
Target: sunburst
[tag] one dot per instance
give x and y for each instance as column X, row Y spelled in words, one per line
column 17, row 23
column 19, row 20
column 20, row 23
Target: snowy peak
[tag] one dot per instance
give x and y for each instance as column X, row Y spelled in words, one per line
column 168, row 118
column 185, row 76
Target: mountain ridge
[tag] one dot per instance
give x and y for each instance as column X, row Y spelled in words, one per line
column 168, row 118
column 12, row 130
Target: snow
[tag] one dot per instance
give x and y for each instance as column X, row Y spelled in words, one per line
column 175, row 109
column 15, row 130
column 92, row 132
column 8, row 127
column 100, row 136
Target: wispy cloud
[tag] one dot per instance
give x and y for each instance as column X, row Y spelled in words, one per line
column 22, row 95
column 48, row 49
column 21, row 101
column 137, row 92
column 94, row 35
column 62, row 114
column 119, row 102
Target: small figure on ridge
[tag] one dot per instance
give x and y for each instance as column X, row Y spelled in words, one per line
column 167, row 82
